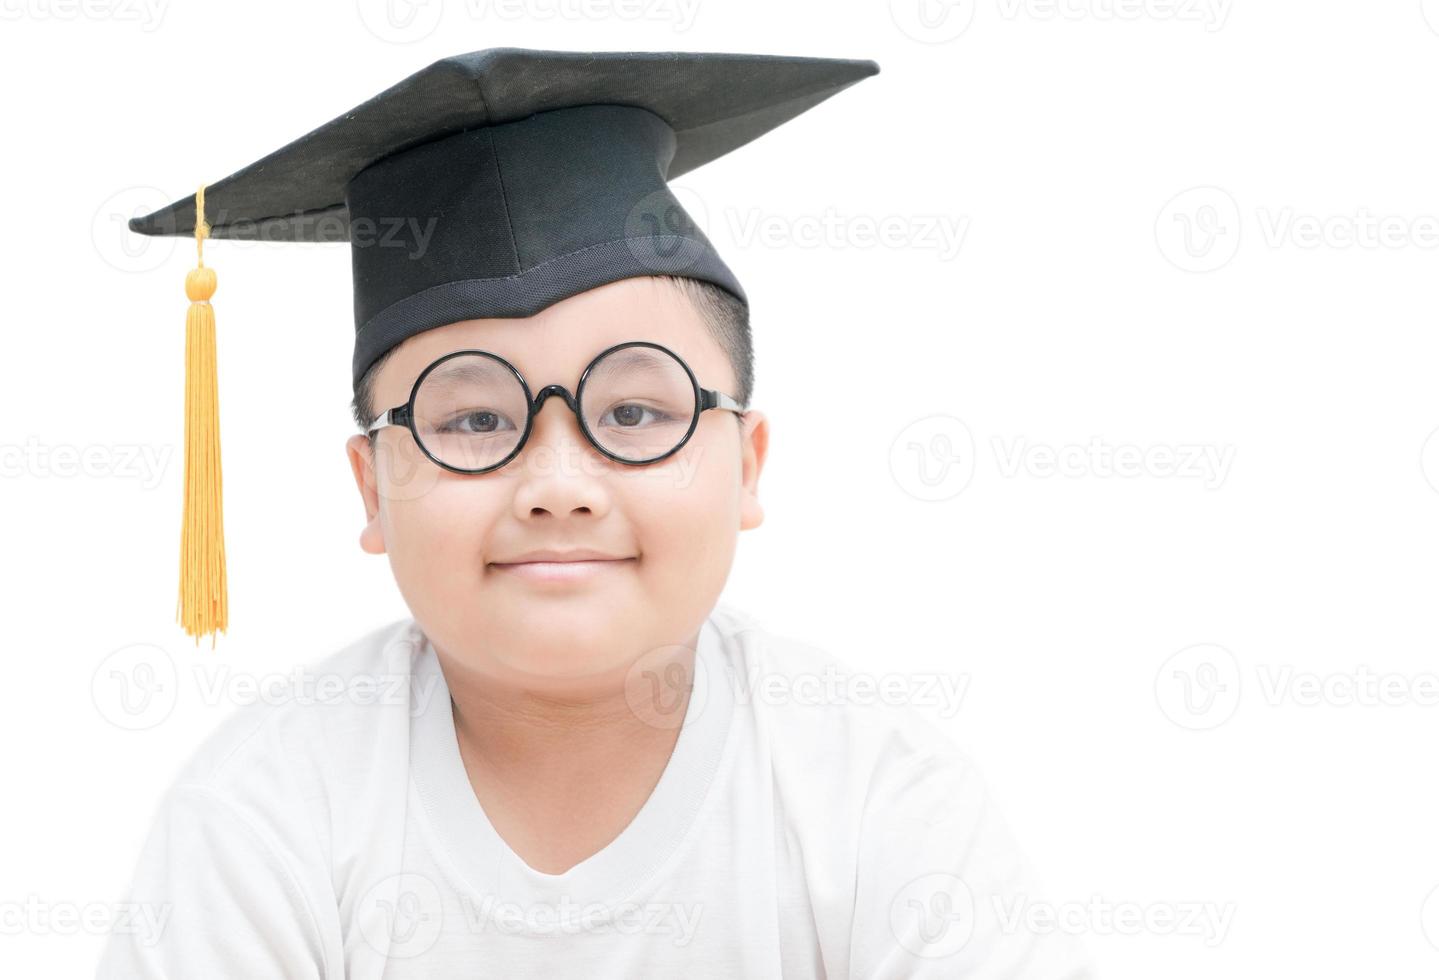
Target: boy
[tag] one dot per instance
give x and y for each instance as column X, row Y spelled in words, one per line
column 571, row 759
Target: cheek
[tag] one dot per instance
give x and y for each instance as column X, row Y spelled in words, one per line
column 435, row 538
column 688, row 517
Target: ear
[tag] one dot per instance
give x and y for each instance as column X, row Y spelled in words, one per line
column 362, row 464
column 754, row 444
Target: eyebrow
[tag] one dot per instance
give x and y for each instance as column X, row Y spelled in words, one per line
column 471, row 370
column 638, row 359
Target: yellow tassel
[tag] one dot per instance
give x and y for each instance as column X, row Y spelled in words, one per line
column 203, row 605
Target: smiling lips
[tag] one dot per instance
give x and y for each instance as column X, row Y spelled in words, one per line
column 561, row 566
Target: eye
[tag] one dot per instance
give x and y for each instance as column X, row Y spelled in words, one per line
column 628, row 415
column 477, row 421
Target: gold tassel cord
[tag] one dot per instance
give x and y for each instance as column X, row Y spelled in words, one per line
column 203, row 605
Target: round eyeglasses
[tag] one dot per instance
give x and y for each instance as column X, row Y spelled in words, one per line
column 637, row 402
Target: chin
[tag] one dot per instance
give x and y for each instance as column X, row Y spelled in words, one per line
column 547, row 640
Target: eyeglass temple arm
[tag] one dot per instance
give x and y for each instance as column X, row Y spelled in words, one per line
column 399, row 415
column 718, row 399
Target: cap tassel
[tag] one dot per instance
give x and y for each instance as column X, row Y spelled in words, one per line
column 203, row 603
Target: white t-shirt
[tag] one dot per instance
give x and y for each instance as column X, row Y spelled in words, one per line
column 341, row 838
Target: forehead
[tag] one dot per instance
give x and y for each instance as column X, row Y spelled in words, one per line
column 554, row 345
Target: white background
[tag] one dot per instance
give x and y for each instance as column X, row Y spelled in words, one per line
column 1280, row 319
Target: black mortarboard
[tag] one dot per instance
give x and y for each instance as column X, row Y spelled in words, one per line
column 489, row 184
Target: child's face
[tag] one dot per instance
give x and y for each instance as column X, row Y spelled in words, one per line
column 674, row 522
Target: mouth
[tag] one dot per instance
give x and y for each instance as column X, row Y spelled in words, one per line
column 550, row 570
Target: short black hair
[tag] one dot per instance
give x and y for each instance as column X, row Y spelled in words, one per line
column 724, row 314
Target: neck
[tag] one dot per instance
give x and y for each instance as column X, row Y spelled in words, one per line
column 533, row 727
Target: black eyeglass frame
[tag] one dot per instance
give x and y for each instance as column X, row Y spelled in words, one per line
column 705, row 399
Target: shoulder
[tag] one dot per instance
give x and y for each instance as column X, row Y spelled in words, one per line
column 853, row 759
column 304, row 733
column 887, row 816
column 819, row 708
column 242, row 843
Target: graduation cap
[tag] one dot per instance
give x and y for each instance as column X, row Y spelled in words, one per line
column 489, row 184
